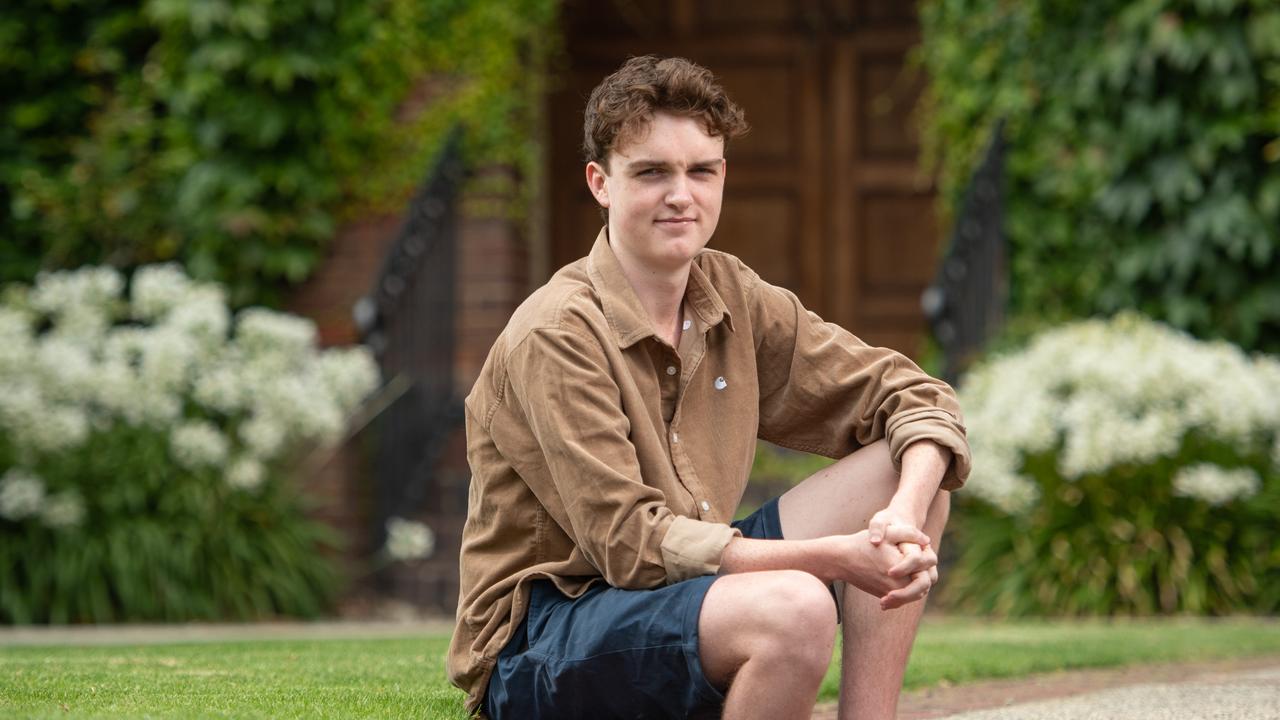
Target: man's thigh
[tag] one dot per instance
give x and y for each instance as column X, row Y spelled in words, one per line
column 613, row 652
column 841, row 498
column 608, row 653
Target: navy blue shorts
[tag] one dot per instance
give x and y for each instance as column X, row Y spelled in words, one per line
column 612, row 653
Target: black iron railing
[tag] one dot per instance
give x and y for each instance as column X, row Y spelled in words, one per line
column 965, row 304
column 408, row 320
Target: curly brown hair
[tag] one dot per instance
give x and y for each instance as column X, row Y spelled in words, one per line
column 623, row 103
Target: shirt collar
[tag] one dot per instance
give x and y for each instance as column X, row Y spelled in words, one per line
column 622, row 306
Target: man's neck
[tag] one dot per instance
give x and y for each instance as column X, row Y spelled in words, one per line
column 661, row 293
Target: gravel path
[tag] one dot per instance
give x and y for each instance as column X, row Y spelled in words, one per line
column 1243, row 689
column 1246, row 696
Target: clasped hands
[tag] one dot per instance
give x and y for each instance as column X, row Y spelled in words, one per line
column 892, row 559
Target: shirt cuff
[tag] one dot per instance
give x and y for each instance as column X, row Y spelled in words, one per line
column 939, row 426
column 694, row 547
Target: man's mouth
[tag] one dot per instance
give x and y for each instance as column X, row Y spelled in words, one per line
column 676, row 220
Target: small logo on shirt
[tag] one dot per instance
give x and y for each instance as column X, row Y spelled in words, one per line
column 721, row 384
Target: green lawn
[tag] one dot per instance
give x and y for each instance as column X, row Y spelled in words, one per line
column 405, row 677
column 273, row 678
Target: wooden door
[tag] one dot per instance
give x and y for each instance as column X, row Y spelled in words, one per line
column 823, row 195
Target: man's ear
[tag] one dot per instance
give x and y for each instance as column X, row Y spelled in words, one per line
column 597, row 183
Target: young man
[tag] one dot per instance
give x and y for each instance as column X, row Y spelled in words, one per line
column 610, row 436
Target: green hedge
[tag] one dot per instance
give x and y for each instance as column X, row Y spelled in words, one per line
column 232, row 135
column 1144, row 163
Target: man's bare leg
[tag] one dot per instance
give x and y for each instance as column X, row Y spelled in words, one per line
column 767, row 637
column 841, row 499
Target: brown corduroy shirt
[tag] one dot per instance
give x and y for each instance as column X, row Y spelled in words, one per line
column 599, row 453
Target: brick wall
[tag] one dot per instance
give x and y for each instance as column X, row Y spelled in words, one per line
column 492, row 259
column 493, row 274
column 347, row 273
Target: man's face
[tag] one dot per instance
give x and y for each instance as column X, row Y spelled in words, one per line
column 663, row 191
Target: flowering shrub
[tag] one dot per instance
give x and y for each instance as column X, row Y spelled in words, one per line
column 1121, row 467
column 145, row 440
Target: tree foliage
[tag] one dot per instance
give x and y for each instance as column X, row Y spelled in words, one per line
column 1144, row 163
column 233, row 134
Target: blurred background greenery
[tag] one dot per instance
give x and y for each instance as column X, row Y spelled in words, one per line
column 1144, row 163
column 233, row 136
column 1143, row 175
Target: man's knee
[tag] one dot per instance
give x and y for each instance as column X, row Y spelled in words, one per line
column 805, row 613
column 784, row 616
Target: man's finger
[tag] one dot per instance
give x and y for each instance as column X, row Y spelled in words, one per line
column 876, row 530
column 916, row 560
column 898, row 534
column 905, row 566
column 916, row 590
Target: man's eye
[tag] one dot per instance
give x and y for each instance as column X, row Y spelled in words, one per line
column 650, row 171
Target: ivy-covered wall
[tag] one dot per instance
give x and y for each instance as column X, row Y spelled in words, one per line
column 234, row 134
column 1144, row 163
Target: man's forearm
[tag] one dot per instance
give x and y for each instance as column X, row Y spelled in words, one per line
column 924, row 462
column 753, row 555
column 850, row 558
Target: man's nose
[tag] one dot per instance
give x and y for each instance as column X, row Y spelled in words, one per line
column 678, row 194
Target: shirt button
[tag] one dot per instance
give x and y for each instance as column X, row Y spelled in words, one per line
column 671, row 369
column 675, row 438
column 705, row 506
column 687, row 324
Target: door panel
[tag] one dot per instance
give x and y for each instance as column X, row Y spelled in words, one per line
column 757, row 231
column 884, row 217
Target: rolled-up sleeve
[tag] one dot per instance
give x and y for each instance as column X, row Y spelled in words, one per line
column 592, row 485
column 693, row 547
column 823, row 390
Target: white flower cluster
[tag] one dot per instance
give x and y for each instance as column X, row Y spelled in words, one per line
column 262, row 332
column 15, row 341
column 409, row 540
column 1215, row 485
column 157, row 289
column 82, row 303
column 235, row 395
column 197, row 444
column 23, row 495
column 36, row 424
column 246, row 474
column 1104, row 393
